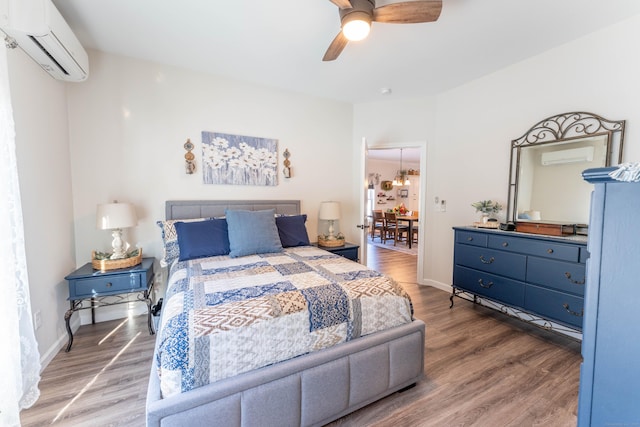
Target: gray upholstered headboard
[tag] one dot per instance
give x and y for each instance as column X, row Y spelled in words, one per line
column 185, row 209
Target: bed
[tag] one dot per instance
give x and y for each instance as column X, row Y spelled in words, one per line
column 350, row 367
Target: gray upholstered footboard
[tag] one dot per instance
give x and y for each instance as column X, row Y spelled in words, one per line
column 310, row 390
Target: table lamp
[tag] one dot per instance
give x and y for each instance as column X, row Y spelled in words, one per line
column 116, row 216
column 330, row 211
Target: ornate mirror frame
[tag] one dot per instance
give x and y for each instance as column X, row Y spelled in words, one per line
column 564, row 128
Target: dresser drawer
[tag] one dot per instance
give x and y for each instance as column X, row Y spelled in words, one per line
column 493, row 287
column 536, row 247
column 560, row 275
column 471, row 238
column 491, row 261
column 554, row 305
column 111, row 284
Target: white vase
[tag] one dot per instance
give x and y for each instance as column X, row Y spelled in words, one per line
column 485, row 218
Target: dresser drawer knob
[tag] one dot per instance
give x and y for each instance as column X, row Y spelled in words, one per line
column 575, row 282
column 573, row 313
column 485, row 285
column 549, row 251
column 469, row 239
column 109, row 285
column 505, row 244
column 484, row 261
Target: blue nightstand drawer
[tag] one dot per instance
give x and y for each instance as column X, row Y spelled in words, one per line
column 538, row 248
column 110, row 287
column 105, row 285
column 489, row 285
column 496, row 262
column 470, row 238
column 558, row 306
column 560, row 275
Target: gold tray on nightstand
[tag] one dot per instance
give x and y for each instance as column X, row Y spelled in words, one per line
column 114, row 264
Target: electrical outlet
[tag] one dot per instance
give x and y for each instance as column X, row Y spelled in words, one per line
column 443, row 205
column 37, row 319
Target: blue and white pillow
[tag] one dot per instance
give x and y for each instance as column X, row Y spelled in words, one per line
column 252, row 232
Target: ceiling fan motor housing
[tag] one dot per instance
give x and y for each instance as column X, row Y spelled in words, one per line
column 361, row 9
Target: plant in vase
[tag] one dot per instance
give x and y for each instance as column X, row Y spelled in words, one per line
column 487, row 207
column 401, row 209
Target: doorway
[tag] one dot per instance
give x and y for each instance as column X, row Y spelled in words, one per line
column 404, row 163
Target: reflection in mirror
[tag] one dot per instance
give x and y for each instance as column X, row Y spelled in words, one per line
column 550, row 184
column 547, row 162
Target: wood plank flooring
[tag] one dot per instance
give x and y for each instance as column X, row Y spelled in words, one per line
column 481, row 369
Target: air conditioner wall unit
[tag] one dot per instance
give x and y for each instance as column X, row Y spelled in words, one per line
column 573, row 155
column 42, row 33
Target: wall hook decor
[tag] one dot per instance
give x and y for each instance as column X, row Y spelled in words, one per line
column 189, row 157
column 286, row 170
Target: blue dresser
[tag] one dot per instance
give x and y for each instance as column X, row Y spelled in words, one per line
column 610, row 372
column 534, row 277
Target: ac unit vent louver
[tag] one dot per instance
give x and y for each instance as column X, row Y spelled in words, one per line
column 573, row 155
column 42, row 33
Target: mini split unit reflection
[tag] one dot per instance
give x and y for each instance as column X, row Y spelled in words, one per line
column 573, row 155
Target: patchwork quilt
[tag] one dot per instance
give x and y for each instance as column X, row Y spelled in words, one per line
column 223, row 316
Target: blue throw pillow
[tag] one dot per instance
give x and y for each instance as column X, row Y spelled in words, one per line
column 252, row 232
column 202, row 239
column 292, row 230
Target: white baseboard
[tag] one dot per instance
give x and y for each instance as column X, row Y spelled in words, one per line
column 438, row 285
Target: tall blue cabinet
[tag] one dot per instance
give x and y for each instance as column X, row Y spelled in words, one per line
column 610, row 373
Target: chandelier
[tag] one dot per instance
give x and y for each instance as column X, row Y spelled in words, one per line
column 401, row 175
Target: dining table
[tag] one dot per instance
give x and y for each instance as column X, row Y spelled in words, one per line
column 410, row 219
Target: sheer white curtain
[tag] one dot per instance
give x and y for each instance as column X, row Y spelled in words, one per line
column 19, row 357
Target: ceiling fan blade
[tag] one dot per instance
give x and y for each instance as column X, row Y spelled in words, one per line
column 409, row 12
column 342, row 4
column 335, row 47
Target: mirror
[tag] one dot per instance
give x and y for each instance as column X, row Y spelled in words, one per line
column 545, row 176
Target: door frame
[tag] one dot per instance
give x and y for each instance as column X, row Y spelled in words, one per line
column 424, row 149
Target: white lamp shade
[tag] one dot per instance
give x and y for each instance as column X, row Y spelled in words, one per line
column 110, row 216
column 329, row 211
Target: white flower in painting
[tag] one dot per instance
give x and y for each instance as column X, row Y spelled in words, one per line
column 215, row 163
column 251, row 162
column 234, row 152
column 226, row 155
column 244, row 146
column 220, row 142
column 271, row 159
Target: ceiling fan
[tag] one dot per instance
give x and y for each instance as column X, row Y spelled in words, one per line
column 356, row 17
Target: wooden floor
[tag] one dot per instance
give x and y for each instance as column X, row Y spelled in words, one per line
column 481, row 369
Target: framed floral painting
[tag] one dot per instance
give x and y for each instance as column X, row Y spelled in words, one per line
column 239, row 160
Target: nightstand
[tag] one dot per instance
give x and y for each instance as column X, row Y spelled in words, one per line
column 104, row 288
column 349, row 250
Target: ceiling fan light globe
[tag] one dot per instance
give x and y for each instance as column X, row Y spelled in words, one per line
column 356, row 29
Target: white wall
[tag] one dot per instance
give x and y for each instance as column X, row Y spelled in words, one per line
column 475, row 123
column 42, row 148
column 387, row 171
column 128, row 124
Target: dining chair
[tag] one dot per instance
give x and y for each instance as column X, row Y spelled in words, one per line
column 415, row 228
column 378, row 225
column 398, row 230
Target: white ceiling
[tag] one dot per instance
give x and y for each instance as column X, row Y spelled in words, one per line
column 280, row 43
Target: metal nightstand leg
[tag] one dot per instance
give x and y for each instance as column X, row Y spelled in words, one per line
column 67, row 317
